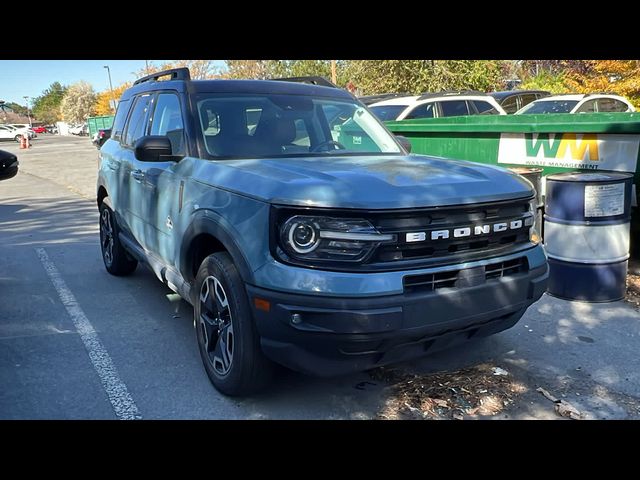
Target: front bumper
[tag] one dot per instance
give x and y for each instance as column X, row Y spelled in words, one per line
column 335, row 335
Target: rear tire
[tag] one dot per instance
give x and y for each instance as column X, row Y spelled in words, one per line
column 116, row 259
column 227, row 339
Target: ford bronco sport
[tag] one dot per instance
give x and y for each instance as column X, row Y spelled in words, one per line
column 303, row 233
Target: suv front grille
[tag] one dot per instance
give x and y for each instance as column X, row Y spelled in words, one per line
column 423, row 226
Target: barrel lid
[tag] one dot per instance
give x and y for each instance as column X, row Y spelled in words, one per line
column 589, row 177
column 525, row 170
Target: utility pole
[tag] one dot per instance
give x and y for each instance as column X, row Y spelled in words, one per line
column 334, row 75
column 146, row 62
column 28, row 114
column 113, row 106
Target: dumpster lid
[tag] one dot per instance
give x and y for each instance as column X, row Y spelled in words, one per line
column 589, row 177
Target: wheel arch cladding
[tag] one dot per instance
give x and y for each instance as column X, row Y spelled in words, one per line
column 204, row 236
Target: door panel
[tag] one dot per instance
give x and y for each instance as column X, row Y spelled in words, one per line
column 137, row 193
column 161, row 180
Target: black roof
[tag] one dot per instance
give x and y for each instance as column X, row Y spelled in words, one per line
column 509, row 93
column 181, row 83
column 369, row 99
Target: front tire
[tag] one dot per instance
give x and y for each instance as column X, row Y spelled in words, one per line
column 116, row 259
column 227, row 339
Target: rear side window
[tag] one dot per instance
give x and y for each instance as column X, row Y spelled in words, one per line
column 587, row 107
column 484, row 108
column 510, row 104
column 167, row 120
column 526, row 99
column 611, row 105
column 121, row 118
column 136, row 127
column 421, row 111
column 454, row 108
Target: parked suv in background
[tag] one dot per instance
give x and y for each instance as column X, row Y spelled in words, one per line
column 513, row 100
column 579, row 103
column 303, row 233
column 434, row 105
column 12, row 133
column 101, row 136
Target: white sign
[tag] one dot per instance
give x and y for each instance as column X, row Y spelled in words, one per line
column 590, row 151
column 603, row 200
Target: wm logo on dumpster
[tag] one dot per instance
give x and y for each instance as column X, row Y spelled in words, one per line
column 583, row 148
column 586, row 151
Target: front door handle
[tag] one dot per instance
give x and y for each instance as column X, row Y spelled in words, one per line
column 138, row 175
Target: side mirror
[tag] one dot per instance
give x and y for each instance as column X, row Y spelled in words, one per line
column 154, row 148
column 404, row 141
column 8, row 165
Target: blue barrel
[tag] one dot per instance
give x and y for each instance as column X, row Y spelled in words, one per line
column 587, row 220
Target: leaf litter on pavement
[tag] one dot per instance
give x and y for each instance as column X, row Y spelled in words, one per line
column 633, row 289
column 474, row 392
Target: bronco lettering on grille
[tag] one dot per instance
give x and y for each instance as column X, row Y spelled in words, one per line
column 474, row 230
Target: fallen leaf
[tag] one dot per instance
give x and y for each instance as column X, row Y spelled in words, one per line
column 565, row 409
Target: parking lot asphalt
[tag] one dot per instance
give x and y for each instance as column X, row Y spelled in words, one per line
column 77, row 343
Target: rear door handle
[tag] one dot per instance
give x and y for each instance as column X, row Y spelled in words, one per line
column 138, row 175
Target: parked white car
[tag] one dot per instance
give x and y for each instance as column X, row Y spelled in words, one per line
column 78, row 129
column 23, row 126
column 12, row 133
column 578, row 103
column 434, row 105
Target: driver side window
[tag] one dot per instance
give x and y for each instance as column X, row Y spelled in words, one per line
column 167, row 120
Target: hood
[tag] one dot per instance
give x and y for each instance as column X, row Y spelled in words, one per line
column 367, row 182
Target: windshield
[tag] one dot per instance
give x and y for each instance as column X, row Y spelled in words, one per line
column 550, row 106
column 269, row 125
column 387, row 112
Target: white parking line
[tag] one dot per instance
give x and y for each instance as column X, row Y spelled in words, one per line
column 123, row 405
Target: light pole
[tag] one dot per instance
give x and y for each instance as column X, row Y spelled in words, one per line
column 26, row 97
column 113, row 106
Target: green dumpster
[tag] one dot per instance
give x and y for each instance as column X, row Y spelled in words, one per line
column 556, row 143
column 96, row 123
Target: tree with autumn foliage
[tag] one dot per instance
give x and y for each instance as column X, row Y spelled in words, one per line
column 246, row 69
column 106, row 101
column 78, row 103
column 199, row 69
column 612, row 76
column 417, row 76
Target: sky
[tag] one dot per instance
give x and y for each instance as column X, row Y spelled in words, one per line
column 20, row 78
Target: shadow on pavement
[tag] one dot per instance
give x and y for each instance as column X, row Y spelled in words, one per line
column 37, row 221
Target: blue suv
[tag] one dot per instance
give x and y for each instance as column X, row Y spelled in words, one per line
column 303, row 233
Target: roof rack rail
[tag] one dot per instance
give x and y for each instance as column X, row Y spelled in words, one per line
column 312, row 80
column 175, row 73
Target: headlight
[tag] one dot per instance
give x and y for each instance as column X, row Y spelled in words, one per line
column 534, row 235
column 330, row 239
